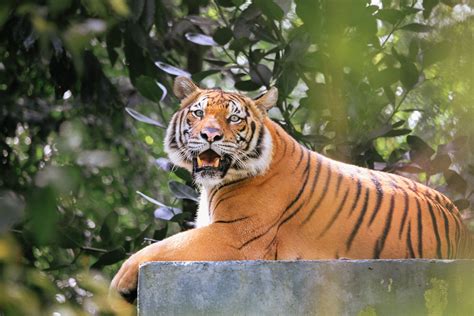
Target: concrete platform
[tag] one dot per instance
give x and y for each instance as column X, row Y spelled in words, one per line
column 332, row 287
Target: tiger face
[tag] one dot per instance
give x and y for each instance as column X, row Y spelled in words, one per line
column 219, row 136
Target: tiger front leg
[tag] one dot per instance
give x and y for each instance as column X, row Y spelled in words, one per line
column 210, row 243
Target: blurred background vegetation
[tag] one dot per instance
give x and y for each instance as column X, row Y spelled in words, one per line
column 84, row 97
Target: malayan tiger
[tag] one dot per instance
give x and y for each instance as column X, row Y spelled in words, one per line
column 264, row 196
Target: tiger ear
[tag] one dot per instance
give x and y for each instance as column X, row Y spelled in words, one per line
column 184, row 87
column 268, row 100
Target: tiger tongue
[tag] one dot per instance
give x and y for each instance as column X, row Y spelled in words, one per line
column 208, row 163
column 208, row 159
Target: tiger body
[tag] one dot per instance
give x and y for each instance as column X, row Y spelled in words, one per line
column 264, row 196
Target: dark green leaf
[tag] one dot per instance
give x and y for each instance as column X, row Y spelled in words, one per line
column 180, row 218
column 440, row 163
column 198, row 77
column 420, row 151
column 270, row 9
column 183, row 174
column 428, row 6
column 397, row 132
column 222, row 35
column 462, row 204
column 455, row 181
column 390, row 15
column 109, row 258
column 182, row 191
column 160, row 234
column 417, row 27
column 390, row 95
column 108, row 226
column 398, row 124
column 226, row 3
column 137, row 7
column 408, row 75
column 247, row 85
column 149, row 88
column 261, row 75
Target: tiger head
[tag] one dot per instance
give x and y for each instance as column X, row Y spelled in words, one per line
column 219, row 136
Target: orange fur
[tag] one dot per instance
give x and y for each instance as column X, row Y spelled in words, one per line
column 307, row 206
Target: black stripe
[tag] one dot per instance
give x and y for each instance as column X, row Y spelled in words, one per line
column 336, row 214
column 231, row 221
column 420, row 229
column 409, row 243
column 357, row 196
column 379, row 195
column 321, row 198
column 435, row 230
column 300, row 159
column 446, row 230
column 181, row 135
column 306, row 173
column 359, row 220
column 338, row 183
column 405, row 214
column 388, row 224
column 213, row 193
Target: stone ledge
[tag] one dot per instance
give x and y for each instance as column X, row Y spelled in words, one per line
column 329, row 287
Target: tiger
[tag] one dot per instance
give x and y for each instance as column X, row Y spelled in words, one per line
column 266, row 197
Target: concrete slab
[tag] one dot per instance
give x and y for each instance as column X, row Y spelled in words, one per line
column 329, row 287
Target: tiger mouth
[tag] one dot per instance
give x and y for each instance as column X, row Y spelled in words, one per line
column 209, row 162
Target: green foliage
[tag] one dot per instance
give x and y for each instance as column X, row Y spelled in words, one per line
column 386, row 86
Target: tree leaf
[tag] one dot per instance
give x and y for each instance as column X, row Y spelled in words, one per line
column 397, row 132
column 222, row 35
column 417, row 27
column 166, row 213
column 164, row 164
column 149, row 88
column 420, row 152
column 390, row 15
column 270, row 9
column 180, row 218
column 462, row 204
column 198, row 77
column 172, row 70
column 200, row 39
column 455, row 181
column 261, row 75
column 182, row 191
column 150, row 199
column 408, row 75
column 440, row 163
column 109, row 258
column 160, row 234
column 247, row 85
column 108, row 226
column 143, row 118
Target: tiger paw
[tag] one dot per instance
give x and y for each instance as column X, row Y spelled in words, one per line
column 126, row 280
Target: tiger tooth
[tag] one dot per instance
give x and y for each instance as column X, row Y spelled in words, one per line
column 215, row 163
column 199, row 161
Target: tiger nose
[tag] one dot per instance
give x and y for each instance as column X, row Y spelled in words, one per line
column 211, row 134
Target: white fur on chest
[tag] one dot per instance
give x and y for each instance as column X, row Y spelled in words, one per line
column 202, row 217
